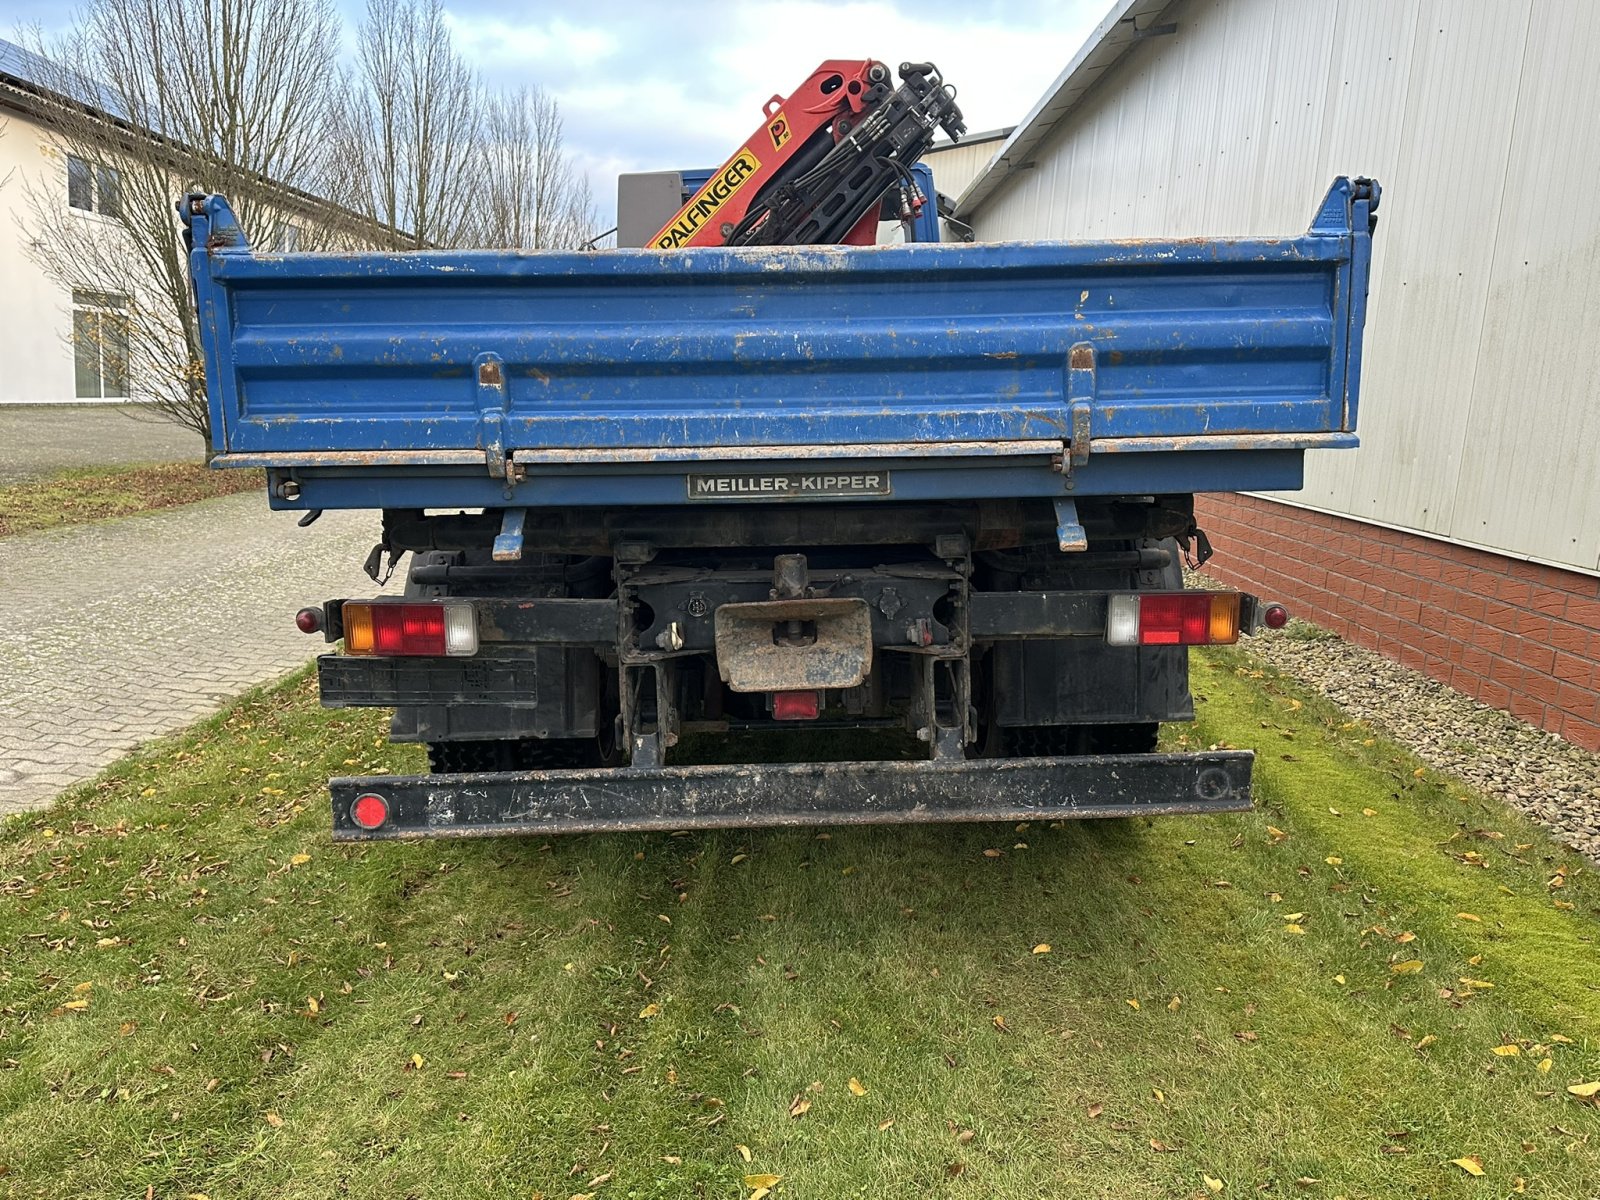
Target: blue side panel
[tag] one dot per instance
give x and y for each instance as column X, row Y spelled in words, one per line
column 433, row 357
column 926, row 226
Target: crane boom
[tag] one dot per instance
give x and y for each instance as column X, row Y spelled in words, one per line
column 824, row 158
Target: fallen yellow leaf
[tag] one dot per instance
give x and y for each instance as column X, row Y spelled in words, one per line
column 82, row 989
column 1000, row 1024
column 1474, row 983
column 761, row 1181
column 884, row 1124
column 799, row 1106
column 744, row 1152
column 417, row 1060
column 76, row 1005
column 1042, row 948
column 1425, row 1041
column 1468, row 917
column 856, row 1088
column 1410, row 967
column 1369, row 812
column 1174, row 1004
column 1562, row 1038
column 650, row 1010
column 1339, row 979
column 1133, row 1004
column 1333, row 860
column 299, row 860
column 274, row 1120
column 1291, row 927
column 1293, row 917
column 737, row 859
column 1277, row 834
column 1545, row 1064
column 1585, row 1091
column 313, row 1005
column 1212, row 1185
column 1471, row 1164
column 1508, row 1051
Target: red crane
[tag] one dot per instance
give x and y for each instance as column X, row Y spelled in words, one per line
column 822, row 162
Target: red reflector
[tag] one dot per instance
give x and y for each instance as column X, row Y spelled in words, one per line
column 408, row 628
column 1175, row 620
column 369, row 810
column 795, row 706
column 1276, row 616
column 309, row 620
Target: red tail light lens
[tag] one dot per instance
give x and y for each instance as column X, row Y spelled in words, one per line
column 1173, row 619
column 387, row 628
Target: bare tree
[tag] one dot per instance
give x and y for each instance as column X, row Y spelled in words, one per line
column 150, row 99
column 532, row 196
column 437, row 160
column 411, row 126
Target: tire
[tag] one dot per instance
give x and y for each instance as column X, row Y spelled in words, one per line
column 525, row 754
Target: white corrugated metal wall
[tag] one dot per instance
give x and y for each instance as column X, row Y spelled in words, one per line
column 958, row 164
column 1480, row 416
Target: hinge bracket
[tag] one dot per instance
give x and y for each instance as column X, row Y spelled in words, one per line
column 490, row 373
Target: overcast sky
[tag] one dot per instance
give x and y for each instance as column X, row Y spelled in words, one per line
column 653, row 85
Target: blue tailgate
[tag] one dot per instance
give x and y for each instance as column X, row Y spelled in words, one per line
column 431, row 359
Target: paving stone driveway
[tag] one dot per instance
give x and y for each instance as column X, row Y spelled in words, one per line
column 119, row 631
column 36, row 439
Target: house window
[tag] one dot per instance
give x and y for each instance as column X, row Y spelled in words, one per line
column 93, row 188
column 100, row 345
column 286, row 238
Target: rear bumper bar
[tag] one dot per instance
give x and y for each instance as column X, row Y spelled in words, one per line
column 750, row 796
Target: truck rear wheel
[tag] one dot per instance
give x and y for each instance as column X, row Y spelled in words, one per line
column 523, row 754
column 1055, row 741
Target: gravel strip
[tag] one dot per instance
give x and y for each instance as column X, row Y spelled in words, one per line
column 1551, row 780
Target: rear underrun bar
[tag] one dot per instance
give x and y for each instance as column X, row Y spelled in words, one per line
column 800, row 794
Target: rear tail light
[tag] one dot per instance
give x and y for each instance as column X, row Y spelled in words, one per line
column 1173, row 619
column 385, row 627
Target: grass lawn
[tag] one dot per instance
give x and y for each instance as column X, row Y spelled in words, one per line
column 94, row 493
column 1374, row 974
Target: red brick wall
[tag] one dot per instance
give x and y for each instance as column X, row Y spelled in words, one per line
column 1515, row 635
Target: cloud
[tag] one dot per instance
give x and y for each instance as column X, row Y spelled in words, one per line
column 496, row 44
column 652, row 86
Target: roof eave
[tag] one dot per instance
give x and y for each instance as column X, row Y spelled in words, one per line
column 1118, row 31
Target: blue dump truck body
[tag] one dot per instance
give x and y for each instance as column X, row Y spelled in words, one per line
column 970, row 449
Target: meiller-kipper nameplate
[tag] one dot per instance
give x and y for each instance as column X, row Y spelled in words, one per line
column 789, row 485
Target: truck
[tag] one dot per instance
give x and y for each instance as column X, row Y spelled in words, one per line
column 734, row 533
